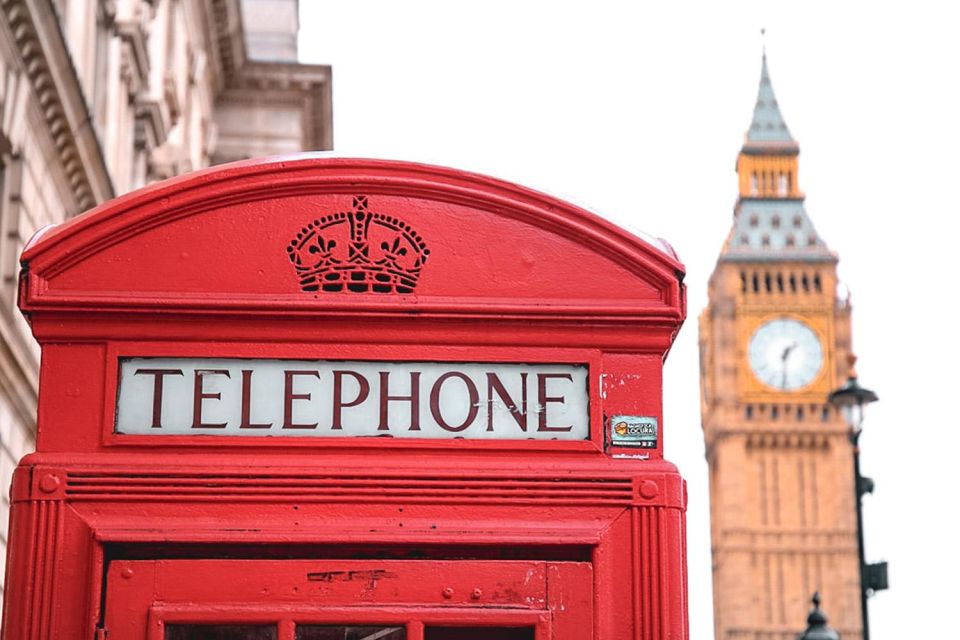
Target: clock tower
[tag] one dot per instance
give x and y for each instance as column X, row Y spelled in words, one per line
column 774, row 341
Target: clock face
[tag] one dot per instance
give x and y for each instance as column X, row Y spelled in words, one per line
column 785, row 354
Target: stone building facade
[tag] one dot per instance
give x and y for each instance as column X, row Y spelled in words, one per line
column 99, row 97
column 774, row 341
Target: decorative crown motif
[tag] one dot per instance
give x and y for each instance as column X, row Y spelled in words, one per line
column 360, row 251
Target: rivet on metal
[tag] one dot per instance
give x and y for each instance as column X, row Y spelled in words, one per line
column 127, row 573
column 49, row 483
column 447, row 593
column 476, row 593
column 649, row 489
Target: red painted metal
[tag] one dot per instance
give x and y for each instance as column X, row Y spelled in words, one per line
column 578, row 539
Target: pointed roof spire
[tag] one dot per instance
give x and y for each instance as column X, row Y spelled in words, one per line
column 768, row 129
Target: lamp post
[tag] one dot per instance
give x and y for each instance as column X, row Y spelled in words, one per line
column 851, row 399
column 817, row 627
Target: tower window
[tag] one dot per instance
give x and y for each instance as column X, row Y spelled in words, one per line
column 775, row 222
column 816, row 282
column 754, row 221
column 744, row 239
column 806, row 282
column 790, row 181
column 743, row 282
column 793, row 283
column 774, row 412
column 753, row 183
column 749, row 412
column 824, row 414
column 766, row 240
column 797, row 222
column 799, row 413
column 783, row 185
column 780, row 282
column 766, row 281
column 756, row 283
column 812, row 241
column 791, row 241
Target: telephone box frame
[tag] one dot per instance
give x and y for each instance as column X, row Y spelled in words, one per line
column 143, row 275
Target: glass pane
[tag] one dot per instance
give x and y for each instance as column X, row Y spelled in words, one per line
column 478, row 633
column 220, row 632
column 342, row 632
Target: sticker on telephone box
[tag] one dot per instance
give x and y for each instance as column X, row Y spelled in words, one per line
column 633, row 431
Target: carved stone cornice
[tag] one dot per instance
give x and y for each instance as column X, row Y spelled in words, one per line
column 40, row 42
column 225, row 30
column 151, row 126
column 308, row 85
column 136, row 60
column 284, row 83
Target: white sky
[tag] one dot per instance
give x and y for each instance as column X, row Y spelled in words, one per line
column 637, row 111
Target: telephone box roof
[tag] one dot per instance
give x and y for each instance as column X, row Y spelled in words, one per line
column 231, row 238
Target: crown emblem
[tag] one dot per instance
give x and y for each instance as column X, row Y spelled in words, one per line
column 360, row 251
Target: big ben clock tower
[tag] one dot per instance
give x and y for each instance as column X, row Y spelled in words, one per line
column 774, row 340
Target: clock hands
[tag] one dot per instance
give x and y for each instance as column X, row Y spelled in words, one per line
column 783, row 359
column 785, row 354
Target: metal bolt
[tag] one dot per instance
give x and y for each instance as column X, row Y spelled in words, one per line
column 127, row 573
column 447, row 592
column 649, row 489
column 476, row 593
column 49, row 483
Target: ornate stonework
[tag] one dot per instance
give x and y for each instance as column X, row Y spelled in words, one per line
column 774, row 341
column 99, row 97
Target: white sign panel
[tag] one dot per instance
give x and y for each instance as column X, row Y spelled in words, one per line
column 238, row 397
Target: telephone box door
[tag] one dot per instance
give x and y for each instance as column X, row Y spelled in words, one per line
column 348, row 600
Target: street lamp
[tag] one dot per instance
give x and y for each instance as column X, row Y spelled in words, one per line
column 817, row 627
column 851, row 399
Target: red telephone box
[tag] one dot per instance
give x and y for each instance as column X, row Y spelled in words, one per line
column 310, row 398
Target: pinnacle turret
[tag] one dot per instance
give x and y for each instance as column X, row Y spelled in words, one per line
column 768, row 128
column 770, row 222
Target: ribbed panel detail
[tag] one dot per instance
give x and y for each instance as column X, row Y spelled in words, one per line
column 654, row 590
column 46, row 528
column 350, row 488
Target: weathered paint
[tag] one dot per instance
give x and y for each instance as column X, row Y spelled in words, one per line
column 575, row 538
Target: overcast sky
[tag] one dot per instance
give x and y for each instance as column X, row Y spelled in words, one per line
column 637, row 111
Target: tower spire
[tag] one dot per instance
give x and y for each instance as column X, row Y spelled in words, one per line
column 768, row 128
column 770, row 220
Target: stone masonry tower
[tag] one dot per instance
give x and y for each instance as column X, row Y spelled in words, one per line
column 774, row 340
